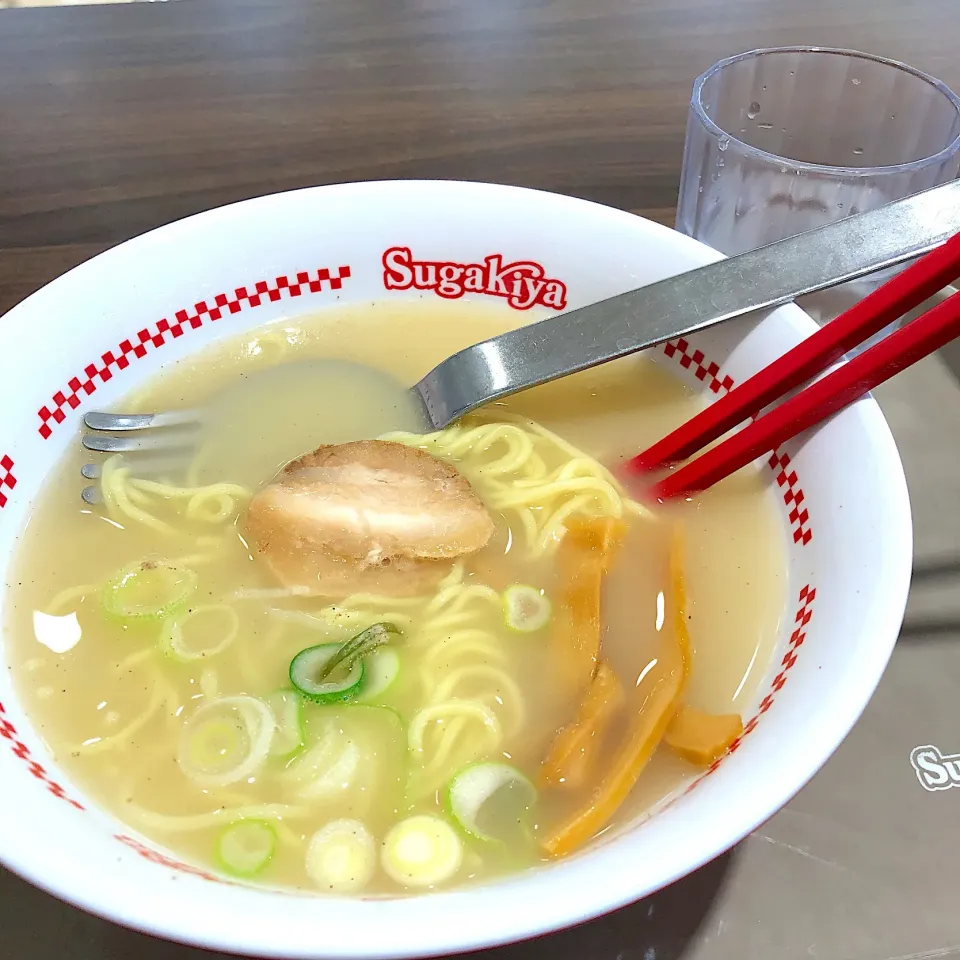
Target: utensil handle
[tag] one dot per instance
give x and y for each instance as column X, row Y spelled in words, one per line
column 681, row 305
column 906, row 291
column 820, row 400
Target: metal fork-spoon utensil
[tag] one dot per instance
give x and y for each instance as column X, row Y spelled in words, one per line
column 636, row 320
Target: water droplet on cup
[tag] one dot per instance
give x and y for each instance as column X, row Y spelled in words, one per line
column 855, row 81
column 753, row 110
column 858, row 151
column 764, row 126
column 723, row 144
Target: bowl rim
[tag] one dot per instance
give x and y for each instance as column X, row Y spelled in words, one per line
column 553, row 912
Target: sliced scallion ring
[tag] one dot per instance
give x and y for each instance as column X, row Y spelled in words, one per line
column 381, row 669
column 226, row 740
column 525, row 609
column 491, row 801
column 328, row 768
column 422, row 851
column 287, row 710
column 148, row 590
column 246, row 847
column 342, row 856
column 358, row 647
column 199, row 632
column 309, row 664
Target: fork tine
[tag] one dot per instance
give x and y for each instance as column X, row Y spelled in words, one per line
column 158, row 444
column 106, row 444
column 121, row 422
column 144, row 464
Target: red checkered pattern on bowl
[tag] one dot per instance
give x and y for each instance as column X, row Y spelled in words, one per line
column 20, row 750
column 801, row 618
column 7, row 480
column 694, row 360
column 163, row 331
column 709, row 373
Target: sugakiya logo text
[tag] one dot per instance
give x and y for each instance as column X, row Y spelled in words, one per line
column 934, row 770
column 523, row 284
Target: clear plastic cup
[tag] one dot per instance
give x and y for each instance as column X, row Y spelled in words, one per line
column 786, row 139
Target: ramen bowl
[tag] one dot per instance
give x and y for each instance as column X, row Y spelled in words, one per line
column 91, row 336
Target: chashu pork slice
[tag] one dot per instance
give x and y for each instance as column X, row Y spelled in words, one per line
column 366, row 517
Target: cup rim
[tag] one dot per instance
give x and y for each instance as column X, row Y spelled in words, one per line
column 912, row 166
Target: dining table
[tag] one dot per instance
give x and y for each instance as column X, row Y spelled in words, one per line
column 121, row 117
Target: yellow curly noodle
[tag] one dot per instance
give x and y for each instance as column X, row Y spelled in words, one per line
column 470, row 702
column 132, row 498
column 219, row 817
column 125, row 736
column 61, row 601
column 163, row 693
column 528, row 473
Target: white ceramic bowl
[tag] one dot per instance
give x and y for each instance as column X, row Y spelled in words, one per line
column 93, row 334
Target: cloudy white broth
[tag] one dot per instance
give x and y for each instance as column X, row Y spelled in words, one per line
column 397, row 664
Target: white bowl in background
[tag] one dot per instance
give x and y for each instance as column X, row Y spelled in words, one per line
column 92, row 335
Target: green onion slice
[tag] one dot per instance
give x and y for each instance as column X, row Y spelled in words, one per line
column 246, row 847
column 148, row 590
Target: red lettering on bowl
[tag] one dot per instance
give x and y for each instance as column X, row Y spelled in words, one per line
column 522, row 283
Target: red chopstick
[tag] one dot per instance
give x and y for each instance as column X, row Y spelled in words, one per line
column 898, row 296
column 826, row 396
column 820, row 400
